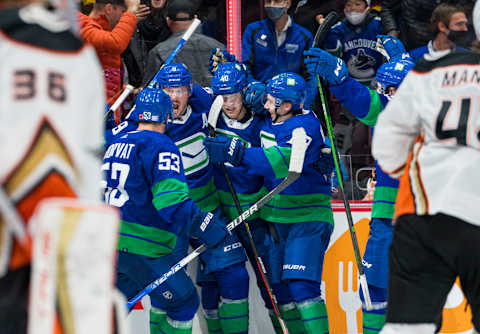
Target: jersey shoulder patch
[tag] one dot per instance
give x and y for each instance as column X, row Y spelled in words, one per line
column 455, row 58
column 39, row 31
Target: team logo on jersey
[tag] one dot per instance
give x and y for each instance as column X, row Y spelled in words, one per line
column 262, row 40
column 267, row 139
column 291, row 48
column 194, row 155
column 361, row 65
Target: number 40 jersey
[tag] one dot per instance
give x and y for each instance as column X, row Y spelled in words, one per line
column 439, row 101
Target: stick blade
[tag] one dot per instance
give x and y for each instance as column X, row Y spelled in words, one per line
column 324, row 28
column 213, row 114
column 299, row 147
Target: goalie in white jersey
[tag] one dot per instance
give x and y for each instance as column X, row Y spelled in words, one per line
column 429, row 134
column 52, row 101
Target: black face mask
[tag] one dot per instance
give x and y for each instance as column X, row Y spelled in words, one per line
column 461, row 38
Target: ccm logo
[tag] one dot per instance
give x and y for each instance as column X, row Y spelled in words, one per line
column 237, row 221
column 231, row 149
column 206, row 221
column 231, row 247
column 293, row 267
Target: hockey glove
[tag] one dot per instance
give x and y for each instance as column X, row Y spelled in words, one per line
column 325, row 165
column 218, row 56
column 209, row 228
column 391, row 48
column 224, row 149
column 253, row 96
column 322, row 63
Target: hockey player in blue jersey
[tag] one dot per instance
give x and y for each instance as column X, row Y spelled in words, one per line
column 239, row 120
column 354, row 40
column 223, row 278
column 144, row 178
column 301, row 214
column 366, row 104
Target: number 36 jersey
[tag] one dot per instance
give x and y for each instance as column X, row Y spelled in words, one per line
column 438, row 102
column 144, row 177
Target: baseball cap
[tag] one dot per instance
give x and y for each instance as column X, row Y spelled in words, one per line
column 175, row 7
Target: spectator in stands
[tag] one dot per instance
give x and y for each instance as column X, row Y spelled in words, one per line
column 409, row 19
column 354, row 39
column 275, row 45
column 109, row 29
column 195, row 54
column 150, row 31
column 449, row 25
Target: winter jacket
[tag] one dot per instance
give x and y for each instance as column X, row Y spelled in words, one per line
column 195, row 55
column 109, row 44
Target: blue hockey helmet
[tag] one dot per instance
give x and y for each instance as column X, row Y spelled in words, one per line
column 391, row 74
column 152, row 105
column 288, row 87
column 173, row 75
column 229, row 78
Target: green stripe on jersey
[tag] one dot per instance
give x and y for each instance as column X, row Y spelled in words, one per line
column 206, row 196
column 298, row 209
column 279, row 158
column 145, row 240
column 375, row 108
column 246, row 201
column 169, row 192
column 384, row 202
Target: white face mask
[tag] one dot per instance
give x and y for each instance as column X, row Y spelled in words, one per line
column 356, row 18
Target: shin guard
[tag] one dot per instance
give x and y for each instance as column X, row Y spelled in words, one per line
column 169, row 326
column 292, row 318
column 213, row 322
column 314, row 316
column 233, row 316
column 156, row 317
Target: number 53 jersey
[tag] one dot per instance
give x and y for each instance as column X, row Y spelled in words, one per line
column 430, row 133
column 144, row 178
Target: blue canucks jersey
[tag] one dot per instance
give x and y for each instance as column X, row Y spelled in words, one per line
column 247, row 185
column 188, row 132
column 356, row 45
column 144, row 178
column 308, row 198
column 366, row 104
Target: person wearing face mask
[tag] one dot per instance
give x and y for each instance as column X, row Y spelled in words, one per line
column 354, row 40
column 150, row 31
column 449, row 24
column 275, row 45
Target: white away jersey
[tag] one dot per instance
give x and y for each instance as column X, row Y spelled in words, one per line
column 51, row 114
column 439, row 101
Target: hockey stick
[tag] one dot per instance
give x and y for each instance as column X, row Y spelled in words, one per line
column 330, row 20
column 129, row 89
column 299, row 146
column 186, row 36
column 212, row 124
column 126, row 92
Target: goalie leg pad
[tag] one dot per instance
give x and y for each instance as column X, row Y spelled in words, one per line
column 375, row 259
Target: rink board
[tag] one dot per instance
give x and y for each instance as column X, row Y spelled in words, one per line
column 340, row 286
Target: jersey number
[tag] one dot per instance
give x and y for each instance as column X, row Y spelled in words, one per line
column 117, row 196
column 169, row 161
column 460, row 133
column 25, row 85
